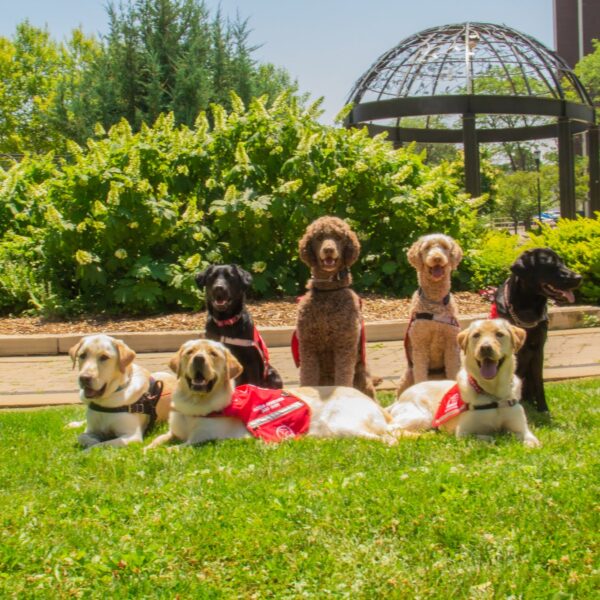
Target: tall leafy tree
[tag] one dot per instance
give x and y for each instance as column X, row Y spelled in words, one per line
column 588, row 71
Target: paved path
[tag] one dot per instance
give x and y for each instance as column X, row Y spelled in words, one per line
column 48, row 380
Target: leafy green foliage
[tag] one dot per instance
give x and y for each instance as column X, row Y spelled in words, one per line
column 488, row 263
column 578, row 243
column 588, row 71
column 433, row 517
column 130, row 218
column 159, row 56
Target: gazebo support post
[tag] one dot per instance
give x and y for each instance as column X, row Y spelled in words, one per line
column 594, row 167
column 471, row 149
column 566, row 168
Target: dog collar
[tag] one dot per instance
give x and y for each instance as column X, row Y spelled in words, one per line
column 475, row 385
column 480, row 390
column 230, row 321
column 444, row 300
column 513, row 315
column 337, row 277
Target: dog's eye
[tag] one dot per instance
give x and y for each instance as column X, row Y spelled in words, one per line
column 499, row 335
column 476, row 335
column 103, row 357
column 212, row 353
column 190, row 351
column 83, row 356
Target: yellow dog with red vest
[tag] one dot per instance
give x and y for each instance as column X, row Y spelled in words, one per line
column 206, row 406
column 485, row 398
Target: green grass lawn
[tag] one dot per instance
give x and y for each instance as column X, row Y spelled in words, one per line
column 433, row 517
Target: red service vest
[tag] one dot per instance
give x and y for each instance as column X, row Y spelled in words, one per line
column 270, row 415
column 452, row 405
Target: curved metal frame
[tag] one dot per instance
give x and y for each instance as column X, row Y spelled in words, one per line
column 533, row 61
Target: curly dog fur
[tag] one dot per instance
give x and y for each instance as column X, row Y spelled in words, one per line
column 433, row 329
column 329, row 315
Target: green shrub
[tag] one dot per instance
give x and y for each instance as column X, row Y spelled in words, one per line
column 129, row 219
column 577, row 242
column 488, row 263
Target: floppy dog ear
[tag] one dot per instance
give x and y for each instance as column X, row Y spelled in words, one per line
column 125, row 354
column 524, row 262
column 175, row 363
column 414, row 255
column 518, row 337
column 463, row 339
column 234, row 368
column 456, row 254
column 73, row 350
column 307, row 254
column 351, row 248
column 244, row 276
column 203, row 276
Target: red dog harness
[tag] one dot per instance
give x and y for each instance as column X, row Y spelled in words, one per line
column 257, row 342
column 270, row 415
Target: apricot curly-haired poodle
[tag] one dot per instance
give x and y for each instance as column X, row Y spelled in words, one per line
column 431, row 345
column 331, row 348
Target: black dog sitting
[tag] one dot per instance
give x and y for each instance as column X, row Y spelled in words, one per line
column 537, row 275
column 229, row 322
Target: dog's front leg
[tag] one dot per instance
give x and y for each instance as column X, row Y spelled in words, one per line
column 88, row 439
column 451, row 357
column 345, row 364
column 518, row 426
column 420, row 363
column 124, row 440
column 528, row 438
column 309, row 366
column 165, row 438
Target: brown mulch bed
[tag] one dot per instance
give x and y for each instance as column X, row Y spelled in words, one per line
column 264, row 312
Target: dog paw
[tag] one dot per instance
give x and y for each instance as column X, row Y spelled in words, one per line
column 173, row 448
column 533, row 443
column 74, row 425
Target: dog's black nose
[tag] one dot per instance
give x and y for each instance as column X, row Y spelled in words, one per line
column 486, row 350
column 198, row 361
column 85, row 381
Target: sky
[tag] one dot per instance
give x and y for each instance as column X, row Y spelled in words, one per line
column 326, row 45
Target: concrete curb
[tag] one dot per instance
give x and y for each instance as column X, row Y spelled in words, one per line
column 569, row 317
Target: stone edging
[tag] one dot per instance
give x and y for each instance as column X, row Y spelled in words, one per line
column 569, row 317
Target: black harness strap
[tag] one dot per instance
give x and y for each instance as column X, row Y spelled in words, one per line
column 146, row 405
column 490, row 405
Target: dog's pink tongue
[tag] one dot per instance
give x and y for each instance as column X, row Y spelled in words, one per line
column 569, row 295
column 489, row 368
column 437, row 271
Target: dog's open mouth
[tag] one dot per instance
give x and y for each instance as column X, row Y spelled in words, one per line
column 199, row 383
column 437, row 271
column 91, row 393
column 220, row 304
column 558, row 294
column 488, row 367
column 329, row 262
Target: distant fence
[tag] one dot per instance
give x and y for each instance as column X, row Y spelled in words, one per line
column 508, row 224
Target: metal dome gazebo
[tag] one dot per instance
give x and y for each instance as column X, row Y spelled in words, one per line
column 469, row 75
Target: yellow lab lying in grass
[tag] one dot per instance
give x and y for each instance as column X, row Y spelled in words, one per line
column 485, row 397
column 123, row 399
column 204, row 396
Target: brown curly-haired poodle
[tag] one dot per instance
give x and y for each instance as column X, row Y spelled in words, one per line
column 431, row 346
column 331, row 348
